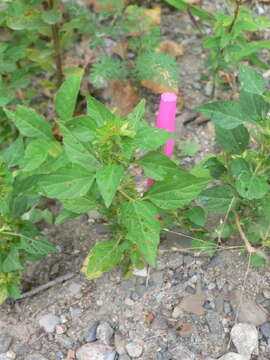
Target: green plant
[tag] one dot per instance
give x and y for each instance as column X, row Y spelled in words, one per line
column 241, row 173
column 231, row 41
column 92, row 168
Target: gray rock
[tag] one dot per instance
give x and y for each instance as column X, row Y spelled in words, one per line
column 188, row 259
column 248, row 311
column 22, row 349
column 91, row 334
column 93, row 351
column 265, row 329
column 245, row 338
column 112, row 355
column 75, row 312
column 181, row 352
column 124, row 357
column 102, row 229
column 266, row 293
column 214, row 323
column 160, row 322
column 35, row 356
column 65, row 341
column 227, row 307
column 5, row 342
column 94, row 214
column 119, row 343
column 4, row 357
column 134, row 350
column 233, row 356
column 105, row 333
column 74, row 289
column 49, row 322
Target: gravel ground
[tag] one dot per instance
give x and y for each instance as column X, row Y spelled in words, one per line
column 189, row 307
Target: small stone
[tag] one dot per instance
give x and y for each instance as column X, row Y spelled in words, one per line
column 4, row 357
column 124, row 357
column 208, row 88
column 99, row 302
column 74, row 289
column 129, row 302
column 245, row 338
column 183, row 353
column 219, row 303
column 119, row 343
column 11, row 355
column 93, row 351
column 265, row 329
column 134, row 350
column 266, row 293
column 233, row 356
column 35, row 356
column 188, row 259
column 177, row 312
column 213, row 321
column 111, row 355
column 160, row 322
column 60, row 329
column 227, row 308
column 94, row 214
column 105, row 333
column 74, row 312
column 59, row 355
column 48, row 322
column 211, row 286
column 91, row 334
column 22, row 349
column 5, row 342
column 65, row 341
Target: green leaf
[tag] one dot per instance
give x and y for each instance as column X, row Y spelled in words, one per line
column 66, row 96
column 139, row 217
column 225, row 114
column 13, row 154
column 70, row 182
column 51, row 16
column 251, row 186
column 37, row 247
column 197, row 215
column 189, row 148
column 77, row 151
column 65, row 215
column 151, row 138
column 251, row 81
column 137, row 115
column 238, row 165
column 257, row 260
column 234, row 141
column 12, row 261
column 159, row 167
column 102, row 258
column 108, row 180
column 3, row 293
column 98, row 111
column 83, row 128
column 253, row 106
column 218, row 198
column 79, row 206
column 216, row 168
column 174, row 194
column 208, row 247
column 36, row 153
column 30, row 123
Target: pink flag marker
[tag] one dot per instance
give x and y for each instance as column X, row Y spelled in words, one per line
column 166, row 120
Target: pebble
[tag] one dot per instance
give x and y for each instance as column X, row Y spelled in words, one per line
column 4, row 357
column 105, row 333
column 75, row 312
column 211, row 286
column 93, row 351
column 227, row 308
column 177, row 312
column 35, row 356
column 233, row 356
column 11, row 354
column 265, row 329
column 119, row 343
column 74, row 289
column 181, row 352
column 65, row 341
column 48, row 322
column 124, row 357
column 266, row 293
column 160, row 322
column 111, row 355
column 213, row 321
column 188, row 259
column 22, row 349
column 245, row 338
column 129, row 302
column 134, row 350
column 91, row 334
column 5, row 342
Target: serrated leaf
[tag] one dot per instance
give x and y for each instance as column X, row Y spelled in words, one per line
column 234, row 141
column 197, row 215
column 238, row 165
column 215, row 167
column 251, row 81
column 251, row 186
column 65, row 215
column 174, row 194
column 51, row 16
column 83, row 128
column 12, row 261
column 13, row 154
column 257, row 260
column 157, row 166
column 37, row 247
column 102, row 258
column 253, row 106
column 70, row 182
column 30, row 123
column 66, row 96
column 137, row 115
column 218, row 198
column 79, row 206
column 151, row 138
column 195, row 11
column 35, row 154
column 108, row 179
column 98, row 111
column 139, row 217
column 225, row 114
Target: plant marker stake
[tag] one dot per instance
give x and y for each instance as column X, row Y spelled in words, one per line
column 166, row 120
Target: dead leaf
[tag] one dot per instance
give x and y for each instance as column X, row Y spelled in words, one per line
column 154, row 14
column 121, row 49
column 158, row 88
column 193, row 304
column 149, row 317
column 123, row 95
column 185, row 331
column 171, row 47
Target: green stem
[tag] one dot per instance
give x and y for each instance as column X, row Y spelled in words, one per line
column 125, row 195
column 236, row 12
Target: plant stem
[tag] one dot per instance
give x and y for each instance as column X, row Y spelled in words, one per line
column 57, row 50
column 126, row 195
column 236, row 12
column 249, row 247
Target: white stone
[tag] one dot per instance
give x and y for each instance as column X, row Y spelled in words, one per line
column 233, row 356
column 134, row 350
column 49, row 322
column 92, row 351
column 245, row 338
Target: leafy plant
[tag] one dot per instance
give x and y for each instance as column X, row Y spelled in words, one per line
column 92, row 169
column 241, row 173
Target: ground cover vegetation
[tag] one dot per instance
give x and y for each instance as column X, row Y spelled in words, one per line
column 85, row 161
